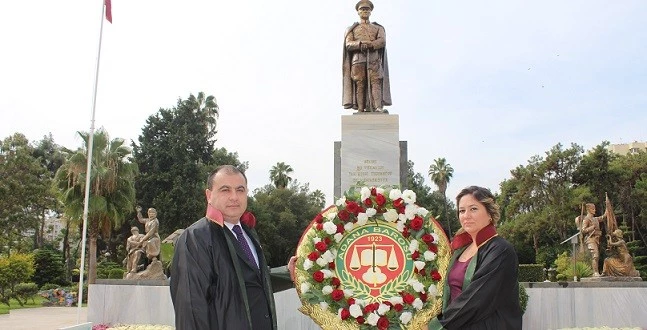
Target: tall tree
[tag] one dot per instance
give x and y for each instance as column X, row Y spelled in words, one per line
column 112, row 192
column 280, row 175
column 174, row 153
column 21, row 190
column 441, row 173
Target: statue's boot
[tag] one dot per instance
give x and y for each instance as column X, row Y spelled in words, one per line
column 376, row 94
column 361, row 96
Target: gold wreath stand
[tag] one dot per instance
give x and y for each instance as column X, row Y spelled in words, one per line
column 330, row 321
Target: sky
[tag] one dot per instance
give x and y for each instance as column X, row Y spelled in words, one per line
column 484, row 84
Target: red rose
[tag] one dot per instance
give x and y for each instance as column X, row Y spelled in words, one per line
column 318, row 276
column 327, row 241
column 344, row 314
column 373, row 191
column 340, row 228
column 416, row 223
column 398, row 307
column 422, row 272
column 320, row 226
column 435, row 275
column 368, row 202
column 343, row 215
column 321, row 247
column 350, row 301
column 408, row 298
column 427, row 238
column 319, row 218
column 249, row 219
column 388, row 303
column 331, row 266
column 383, row 323
column 433, row 248
column 400, row 209
column 370, row 308
column 405, row 232
column 335, row 282
column 423, row 297
column 352, row 207
column 360, row 320
column 314, row 255
column 337, row 295
column 398, row 203
column 415, row 255
column 380, row 200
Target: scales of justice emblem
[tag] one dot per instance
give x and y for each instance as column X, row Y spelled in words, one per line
column 372, row 261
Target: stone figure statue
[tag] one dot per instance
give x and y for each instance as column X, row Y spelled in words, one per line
column 134, row 251
column 151, row 241
column 365, row 68
column 591, row 232
column 148, row 244
column 619, row 263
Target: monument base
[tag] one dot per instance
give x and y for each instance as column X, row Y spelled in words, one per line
column 611, row 279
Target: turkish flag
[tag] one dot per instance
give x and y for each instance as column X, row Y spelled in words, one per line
column 108, row 10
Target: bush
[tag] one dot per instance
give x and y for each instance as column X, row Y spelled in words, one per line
column 531, row 273
column 13, row 270
column 523, row 298
column 24, row 291
column 116, row 273
column 75, row 289
column 49, row 267
column 564, row 265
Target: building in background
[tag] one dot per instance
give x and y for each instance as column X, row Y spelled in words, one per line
column 627, row 148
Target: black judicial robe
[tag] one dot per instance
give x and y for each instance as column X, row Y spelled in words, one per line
column 214, row 286
column 490, row 297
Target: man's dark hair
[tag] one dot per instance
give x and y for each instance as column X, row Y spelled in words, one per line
column 229, row 169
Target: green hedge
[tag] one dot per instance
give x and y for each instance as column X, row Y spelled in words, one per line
column 531, row 273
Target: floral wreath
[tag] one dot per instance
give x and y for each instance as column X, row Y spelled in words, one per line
column 320, row 287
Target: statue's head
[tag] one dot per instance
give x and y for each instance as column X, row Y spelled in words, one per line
column 590, row 208
column 152, row 213
column 364, row 8
column 134, row 230
column 617, row 233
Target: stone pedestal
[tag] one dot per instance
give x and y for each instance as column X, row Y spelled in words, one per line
column 370, row 152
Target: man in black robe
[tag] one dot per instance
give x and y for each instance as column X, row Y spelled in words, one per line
column 220, row 280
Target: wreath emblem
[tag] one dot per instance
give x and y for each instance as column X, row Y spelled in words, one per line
column 372, row 260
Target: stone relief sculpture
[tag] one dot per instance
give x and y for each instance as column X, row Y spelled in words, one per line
column 366, row 85
column 148, row 244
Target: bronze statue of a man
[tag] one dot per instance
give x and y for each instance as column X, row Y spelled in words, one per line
column 592, row 232
column 366, row 86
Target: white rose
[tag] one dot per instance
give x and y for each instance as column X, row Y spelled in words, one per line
column 417, row 304
column 329, row 227
column 349, row 226
column 355, row 310
column 409, row 196
column 410, row 211
column 305, row 287
column 365, row 193
column 338, row 237
column 429, row 256
column 396, row 300
column 328, row 256
column 395, row 194
column 435, row 237
column 433, row 290
column 307, row 264
column 341, row 201
column 348, row 293
column 327, row 273
column 422, row 211
column 402, row 217
column 419, row 264
column 413, row 246
column 418, row 287
column 362, row 219
column 379, row 190
column 327, row 289
column 372, row 319
column 391, row 215
column 316, row 239
column 331, row 216
column 400, row 225
column 323, row 305
column 321, row 262
column 382, row 309
column 371, row 212
column 405, row 317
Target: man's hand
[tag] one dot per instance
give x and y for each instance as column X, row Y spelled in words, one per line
column 363, row 46
column 291, row 265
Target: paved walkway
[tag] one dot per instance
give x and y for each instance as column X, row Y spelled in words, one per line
column 43, row 318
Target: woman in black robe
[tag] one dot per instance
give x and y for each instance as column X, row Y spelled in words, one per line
column 481, row 288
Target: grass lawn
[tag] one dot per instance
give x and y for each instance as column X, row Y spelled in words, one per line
column 38, row 302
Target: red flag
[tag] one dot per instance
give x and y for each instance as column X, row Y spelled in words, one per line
column 108, row 10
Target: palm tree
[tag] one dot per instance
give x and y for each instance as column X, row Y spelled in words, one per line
column 280, row 175
column 441, row 173
column 112, row 190
column 206, row 106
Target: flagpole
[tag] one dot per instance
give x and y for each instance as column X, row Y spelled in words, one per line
column 88, row 170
